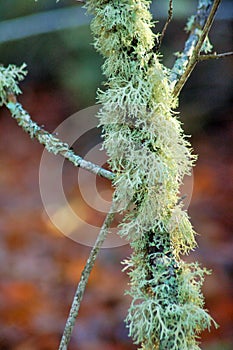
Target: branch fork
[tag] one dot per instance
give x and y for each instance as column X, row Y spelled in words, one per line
column 179, row 74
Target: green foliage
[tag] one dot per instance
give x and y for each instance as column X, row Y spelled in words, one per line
column 150, row 154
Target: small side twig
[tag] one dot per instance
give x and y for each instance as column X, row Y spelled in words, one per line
column 51, row 142
column 169, row 18
column 214, row 56
column 185, row 64
column 66, row 337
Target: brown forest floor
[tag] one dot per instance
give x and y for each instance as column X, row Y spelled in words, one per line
column 40, row 268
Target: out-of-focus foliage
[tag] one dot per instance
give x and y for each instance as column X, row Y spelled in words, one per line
column 12, row 8
column 220, row 346
column 68, row 59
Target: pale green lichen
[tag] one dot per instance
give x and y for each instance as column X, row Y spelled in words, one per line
column 207, row 47
column 9, row 78
column 150, row 155
column 191, row 26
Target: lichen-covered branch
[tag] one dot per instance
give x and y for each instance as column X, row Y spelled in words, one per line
column 70, row 323
column 52, row 143
column 150, row 155
column 199, row 27
column 214, row 56
column 9, row 78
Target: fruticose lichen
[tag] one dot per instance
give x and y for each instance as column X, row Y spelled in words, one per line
column 9, row 78
column 150, row 155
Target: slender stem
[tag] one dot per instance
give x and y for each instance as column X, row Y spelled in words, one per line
column 215, row 56
column 70, row 323
column 51, row 142
column 185, row 64
column 169, row 18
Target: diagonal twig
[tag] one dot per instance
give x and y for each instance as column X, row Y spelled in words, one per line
column 51, row 142
column 215, row 56
column 70, row 323
column 185, row 64
column 169, row 18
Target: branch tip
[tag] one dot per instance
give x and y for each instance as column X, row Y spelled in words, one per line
column 169, row 18
column 215, row 56
column 188, row 59
column 51, row 142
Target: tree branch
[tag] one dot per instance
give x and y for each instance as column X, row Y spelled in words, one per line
column 70, row 323
column 51, row 143
column 215, row 56
column 169, row 18
column 185, row 64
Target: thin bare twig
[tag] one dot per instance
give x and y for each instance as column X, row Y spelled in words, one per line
column 169, row 18
column 51, row 142
column 215, row 56
column 83, row 281
column 185, row 64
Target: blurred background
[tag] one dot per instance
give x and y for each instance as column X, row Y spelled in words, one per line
column 40, row 267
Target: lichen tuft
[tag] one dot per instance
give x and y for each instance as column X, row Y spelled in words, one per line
column 150, row 155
